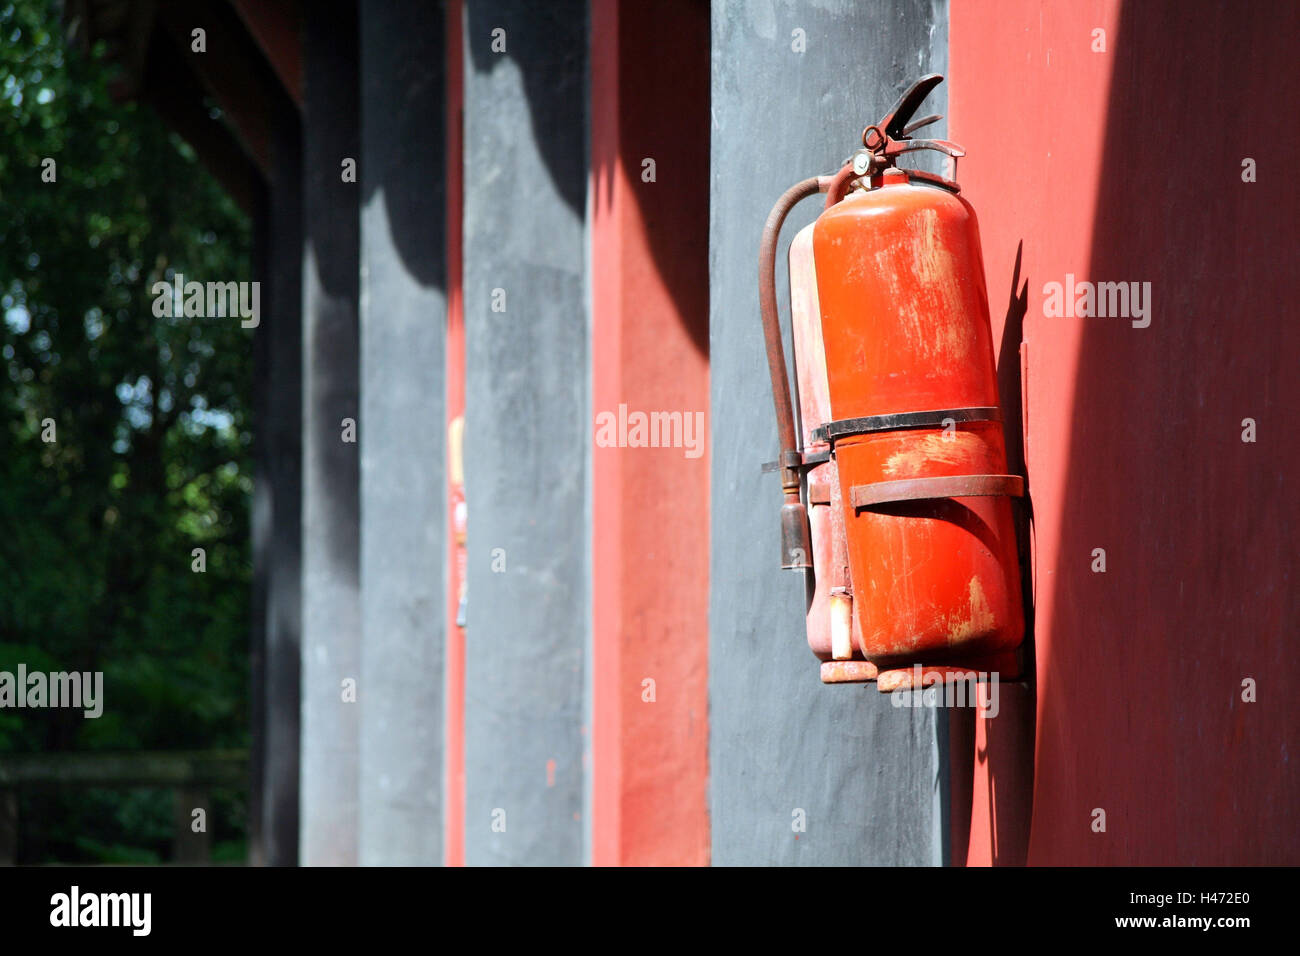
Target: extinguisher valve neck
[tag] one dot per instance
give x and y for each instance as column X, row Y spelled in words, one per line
column 890, row 136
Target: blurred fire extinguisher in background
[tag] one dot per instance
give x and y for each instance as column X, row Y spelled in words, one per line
column 893, row 464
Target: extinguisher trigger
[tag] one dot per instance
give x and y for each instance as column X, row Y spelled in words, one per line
column 923, row 121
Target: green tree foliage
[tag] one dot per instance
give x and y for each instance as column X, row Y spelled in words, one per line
column 152, row 425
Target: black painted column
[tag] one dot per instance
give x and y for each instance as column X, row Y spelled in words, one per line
column 277, row 503
column 332, row 692
column 403, row 484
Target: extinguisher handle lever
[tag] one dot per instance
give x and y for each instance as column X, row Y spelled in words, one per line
column 894, row 123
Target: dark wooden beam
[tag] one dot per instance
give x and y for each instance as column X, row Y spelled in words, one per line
column 124, row 25
column 276, row 25
column 175, row 93
column 232, row 70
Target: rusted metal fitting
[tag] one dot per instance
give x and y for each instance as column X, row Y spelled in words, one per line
column 796, row 537
column 890, row 137
column 863, row 162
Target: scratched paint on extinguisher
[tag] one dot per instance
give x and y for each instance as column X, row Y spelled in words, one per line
column 905, row 328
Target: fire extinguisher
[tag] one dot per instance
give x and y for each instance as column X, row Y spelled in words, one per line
column 894, row 465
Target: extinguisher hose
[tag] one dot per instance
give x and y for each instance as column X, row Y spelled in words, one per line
column 785, row 426
column 838, row 186
column 796, row 535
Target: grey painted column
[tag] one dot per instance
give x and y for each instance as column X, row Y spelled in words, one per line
column 527, row 431
column 278, row 502
column 871, row 779
column 403, row 487
column 331, row 600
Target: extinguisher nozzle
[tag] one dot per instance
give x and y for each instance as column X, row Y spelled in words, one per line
column 796, row 538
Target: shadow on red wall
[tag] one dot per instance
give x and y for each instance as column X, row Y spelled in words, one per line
column 1000, row 738
column 1143, row 715
column 1163, row 683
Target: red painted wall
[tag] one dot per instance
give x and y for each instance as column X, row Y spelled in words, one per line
column 650, row 539
column 1127, row 165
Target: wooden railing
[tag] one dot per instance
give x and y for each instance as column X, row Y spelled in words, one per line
column 190, row 775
